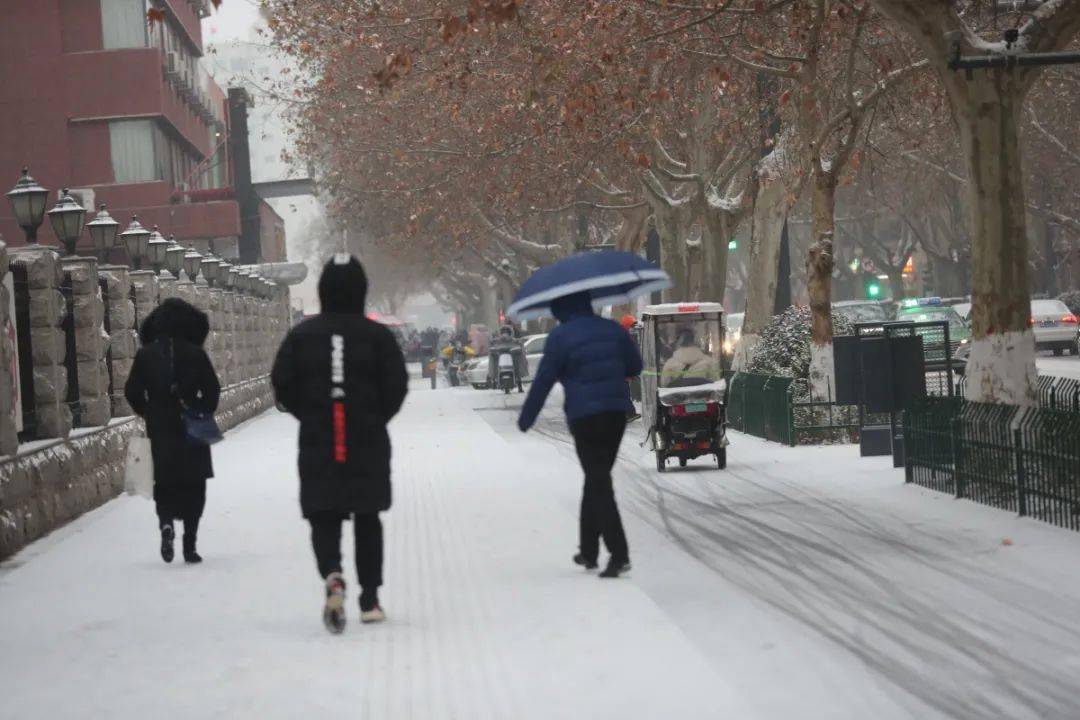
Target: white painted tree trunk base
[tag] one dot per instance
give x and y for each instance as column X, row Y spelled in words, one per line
column 822, row 372
column 744, row 351
column 1001, row 369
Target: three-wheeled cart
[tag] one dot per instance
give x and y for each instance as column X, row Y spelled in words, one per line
column 683, row 388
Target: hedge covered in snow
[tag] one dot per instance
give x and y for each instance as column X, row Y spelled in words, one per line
column 784, row 348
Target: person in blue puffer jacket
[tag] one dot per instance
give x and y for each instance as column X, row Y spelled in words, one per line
column 592, row 358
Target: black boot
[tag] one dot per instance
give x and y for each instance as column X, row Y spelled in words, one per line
column 190, row 555
column 167, row 537
column 615, row 568
column 584, row 562
column 191, row 535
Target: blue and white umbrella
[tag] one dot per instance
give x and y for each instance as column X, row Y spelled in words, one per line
column 610, row 277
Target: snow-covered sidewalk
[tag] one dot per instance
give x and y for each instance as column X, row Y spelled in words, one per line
column 488, row 618
column 799, row 583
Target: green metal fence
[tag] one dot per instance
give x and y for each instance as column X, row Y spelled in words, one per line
column 1026, row 460
column 780, row 409
column 1056, row 393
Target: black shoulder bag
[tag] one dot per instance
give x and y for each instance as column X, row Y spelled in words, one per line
column 201, row 428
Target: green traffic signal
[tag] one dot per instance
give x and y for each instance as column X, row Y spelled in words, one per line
column 873, row 290
column 733, row 245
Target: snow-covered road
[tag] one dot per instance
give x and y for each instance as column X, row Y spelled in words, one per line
column 800, row 583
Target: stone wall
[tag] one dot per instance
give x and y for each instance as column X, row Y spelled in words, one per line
column 91, row 341
column 123, row 340
column 52, row 482
column 9, row 439
column 42, row 489
column 48, row 482
column 47, row 310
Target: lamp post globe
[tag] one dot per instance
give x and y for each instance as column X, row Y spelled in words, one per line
column 224, row 276
column 135, row 239
column 211, row 266
column 174, row 257
column 233, row 281
column 103, row 231
column 67, row 219
column 192, row 264
column 157, row 248
column 28, row 201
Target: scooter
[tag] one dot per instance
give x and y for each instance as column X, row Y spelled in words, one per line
column 507, row 374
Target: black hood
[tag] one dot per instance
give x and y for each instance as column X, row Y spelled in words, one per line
column 572, row 306
column 343, row 286
column 177, row 319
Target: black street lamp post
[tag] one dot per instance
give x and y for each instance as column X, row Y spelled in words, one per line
column 103, row 231
column 28, row 201
column 67, row 220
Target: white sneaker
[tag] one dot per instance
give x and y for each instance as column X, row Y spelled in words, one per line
column 334, row 610
column 374, row 615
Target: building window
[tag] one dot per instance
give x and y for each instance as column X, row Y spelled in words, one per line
column 123, row 24
column 132, row 147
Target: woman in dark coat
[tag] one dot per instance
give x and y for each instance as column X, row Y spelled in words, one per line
column 344, row 378
column 171, row 366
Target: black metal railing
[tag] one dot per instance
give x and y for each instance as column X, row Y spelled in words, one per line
column 107, row 322
column 781, row 409
column 24, row 338
column 71, row 355
column 1023, row 459
column 1052, row 392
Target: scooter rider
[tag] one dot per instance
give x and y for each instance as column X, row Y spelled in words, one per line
column 507, row 343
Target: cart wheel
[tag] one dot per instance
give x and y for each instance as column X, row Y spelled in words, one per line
column 721, row 458
column 661, row 462
column 682, row 462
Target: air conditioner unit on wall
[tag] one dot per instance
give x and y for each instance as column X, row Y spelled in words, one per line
column 172, row 66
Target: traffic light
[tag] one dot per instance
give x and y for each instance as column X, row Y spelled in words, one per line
column 871, row 286
column 733, row 245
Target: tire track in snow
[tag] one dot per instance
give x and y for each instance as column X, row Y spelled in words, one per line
column 927, row 647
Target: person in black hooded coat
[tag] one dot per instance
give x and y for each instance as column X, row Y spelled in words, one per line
column 343, row 376
column 171, row 366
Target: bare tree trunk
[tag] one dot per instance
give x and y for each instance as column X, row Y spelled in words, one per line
column 896, row 283
column 819, row 269
column 716, row 232
column 770, row 211
column 489, row 305
column 1001, row 368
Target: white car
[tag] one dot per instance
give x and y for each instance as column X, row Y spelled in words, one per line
column 1054, row 326
column 534, row 351
column 476, row 370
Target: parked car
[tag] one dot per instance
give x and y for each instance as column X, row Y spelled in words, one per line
column 931, row 309
column 476, row 371
column 1055, row 326
column 861, row 311
column 534, row 351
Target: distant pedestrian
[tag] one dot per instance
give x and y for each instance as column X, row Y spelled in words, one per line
column 592, row 358
column 343, row 376
column 172, row 369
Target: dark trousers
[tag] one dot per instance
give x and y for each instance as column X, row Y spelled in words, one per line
column 368, row 536
column 597, row 439
column 181, row 501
